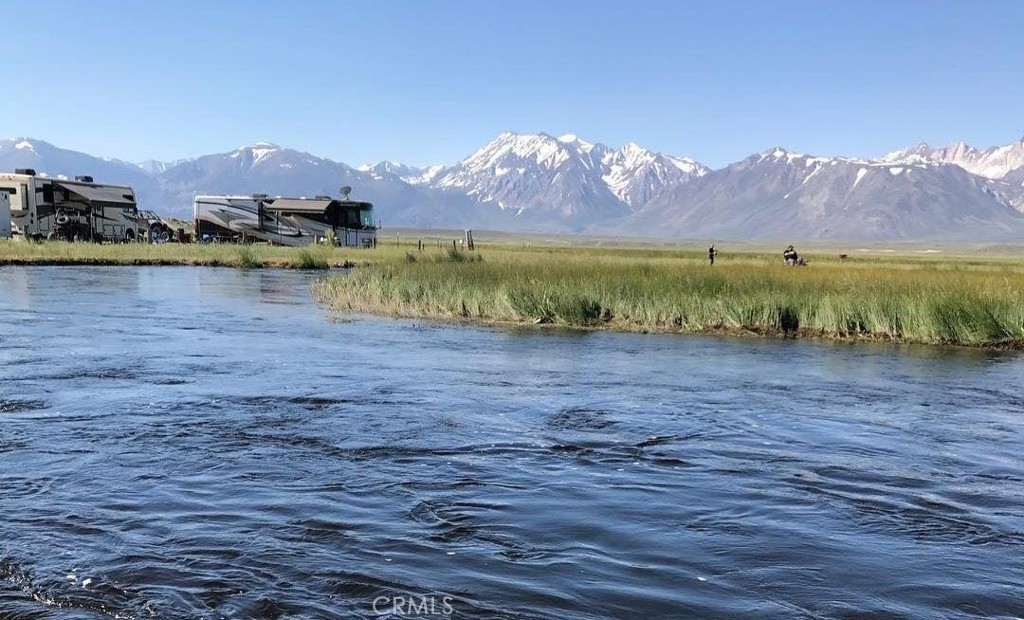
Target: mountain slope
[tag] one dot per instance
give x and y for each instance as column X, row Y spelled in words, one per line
column 636, row 175
column 782, row 195
column 394, row 170
column 564, row 182
column 53, row 161
column 269, row 169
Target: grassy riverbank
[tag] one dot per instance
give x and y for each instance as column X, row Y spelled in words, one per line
column 908, row 299
column 918, row 296
column 210, row 255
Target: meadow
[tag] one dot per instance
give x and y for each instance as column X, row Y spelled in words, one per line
column 905, row 298
column 964, row 299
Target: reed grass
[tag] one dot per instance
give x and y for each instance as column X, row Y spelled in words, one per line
column 909, row 299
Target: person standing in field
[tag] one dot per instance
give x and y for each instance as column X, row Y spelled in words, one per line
column 712, row 253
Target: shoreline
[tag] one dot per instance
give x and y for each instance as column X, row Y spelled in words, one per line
column 936, row 301
column 164, row 262
column 804, row 334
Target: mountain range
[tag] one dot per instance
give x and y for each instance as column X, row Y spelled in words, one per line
column 542, row 183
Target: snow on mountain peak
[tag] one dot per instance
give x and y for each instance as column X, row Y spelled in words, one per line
column 993, row 163
column 259, row 151
column 412, row 175
column 509, row 147
column 778, row 153
column 24, row 145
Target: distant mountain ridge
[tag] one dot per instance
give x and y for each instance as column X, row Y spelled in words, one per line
column 538, row 182
column 779, row 194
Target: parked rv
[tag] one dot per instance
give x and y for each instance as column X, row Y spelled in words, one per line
column 284, row 221
column 48, row 208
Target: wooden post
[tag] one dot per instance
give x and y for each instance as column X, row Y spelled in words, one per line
column 455, row 246
column 398, row 239
column 469, row 240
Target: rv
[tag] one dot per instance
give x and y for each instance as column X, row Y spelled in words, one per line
column 48, row 208
column 284, row 221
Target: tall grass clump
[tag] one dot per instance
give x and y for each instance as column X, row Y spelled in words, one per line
column 904, row 302
column 308, row 258
column 247, row 257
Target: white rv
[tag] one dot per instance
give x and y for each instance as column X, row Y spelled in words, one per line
column 48, row 208
column 284, row 221
column 5, row 215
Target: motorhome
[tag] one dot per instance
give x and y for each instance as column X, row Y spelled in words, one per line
column 284, row 221
column 53, row 208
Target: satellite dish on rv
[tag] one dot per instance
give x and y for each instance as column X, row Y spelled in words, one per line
column 345, row 191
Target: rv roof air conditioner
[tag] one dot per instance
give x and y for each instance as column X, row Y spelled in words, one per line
column 28, row 171
column 259, row 196
column 84, row 178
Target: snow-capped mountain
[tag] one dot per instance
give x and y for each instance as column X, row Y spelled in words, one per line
column 537, row 178
column 1004, row 164
column 636, row 175
column 779, row 194
column 53, row 161
column 995, row 162
column 536, row 182
column 568, row 179
column 154, row 167
column 412, row 175
column 49, row 160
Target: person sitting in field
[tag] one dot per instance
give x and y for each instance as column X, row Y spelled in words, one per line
column 790, row 256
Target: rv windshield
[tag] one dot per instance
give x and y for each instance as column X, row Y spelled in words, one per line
column 366, row 217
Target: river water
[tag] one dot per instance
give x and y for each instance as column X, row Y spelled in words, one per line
column 208, row 443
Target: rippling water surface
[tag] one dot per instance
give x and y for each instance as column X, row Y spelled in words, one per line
column 198, row 443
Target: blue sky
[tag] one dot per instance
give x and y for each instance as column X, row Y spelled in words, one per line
column 428, row 82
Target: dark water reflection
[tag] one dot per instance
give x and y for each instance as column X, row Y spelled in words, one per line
column 192, row 443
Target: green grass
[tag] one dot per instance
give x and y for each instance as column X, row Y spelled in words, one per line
column 907, row 299
column 211, row 255
column 911, row 297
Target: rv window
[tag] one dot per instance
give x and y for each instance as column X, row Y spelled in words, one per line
column 351, row 219
column 9, row 190
column 47, row 193
column 366, row 215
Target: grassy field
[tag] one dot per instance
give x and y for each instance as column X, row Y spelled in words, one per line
column 921, row 298
column 957, row 296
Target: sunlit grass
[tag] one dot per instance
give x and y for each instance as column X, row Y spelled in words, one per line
column 965, row 300
column 213, row 255
column 905, row 299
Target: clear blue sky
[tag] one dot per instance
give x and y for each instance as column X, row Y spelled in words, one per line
column 428, row 82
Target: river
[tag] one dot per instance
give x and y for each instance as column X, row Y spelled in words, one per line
column 209, row 443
